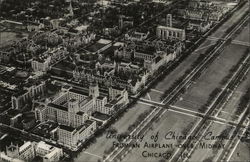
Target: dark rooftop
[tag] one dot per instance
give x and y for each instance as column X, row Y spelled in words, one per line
column 100, row 116
column 118, row 88
column 89, row 122
column 80, row 113
column 146, row 50
column 100, row 97
column 13, row 112
column 67, row 128
column 74, row 90
column 157, row 59
column 109, row 105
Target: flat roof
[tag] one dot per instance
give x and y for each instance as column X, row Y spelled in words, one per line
column 67, row 128
column 24, row 146
column 150, row 50
column 72, row 100
column 89, row 122
column 58, row 106
column 74, row 90
column 13, row 112
column 44, row 146
column 100, row 97
column 80, row 113
column 109, row 105
column 170, row 28
column 118, row 88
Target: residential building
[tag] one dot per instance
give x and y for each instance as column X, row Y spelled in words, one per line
column 72, row 137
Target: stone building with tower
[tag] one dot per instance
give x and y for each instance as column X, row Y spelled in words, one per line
column 29, row 150
column 168, row 32
column 16, row 153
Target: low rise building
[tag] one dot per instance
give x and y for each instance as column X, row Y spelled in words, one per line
column 34, row 26
column 48, row 153
column 41, row 65
column 5, row 54
column 28, row 92
column 14, row 153
column 136, row 36
column 144, row 53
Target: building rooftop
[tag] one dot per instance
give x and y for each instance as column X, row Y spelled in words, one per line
column 13, row 112
column 44, row 146
column 58, row 106
column 80, row 113
column 118, row 88
column 88, row 122
column 67, row 128
column 157, row 59
column 100, row 97
column 149, row 50
column 52, row 153
column 24, row 146
column 171, row 28
column 44, row 129
column 109, row 105
column 78, row 91
column 72, row 100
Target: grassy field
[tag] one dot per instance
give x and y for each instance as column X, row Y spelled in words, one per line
column 167, row 82
column 200, row 153
column 228, row 111
column 6, row 38
column 170, row 121
column 198, row 94
column 96, row 150
column 242, row 152
column 153, row 95
column 231, row 106
column 244, row 35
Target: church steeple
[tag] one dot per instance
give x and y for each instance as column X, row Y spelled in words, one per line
column 70, row 8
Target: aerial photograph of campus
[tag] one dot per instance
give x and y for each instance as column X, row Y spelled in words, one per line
column 124, row 80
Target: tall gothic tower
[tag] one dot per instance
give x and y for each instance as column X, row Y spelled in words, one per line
column 121, row 22
column 94, row 90
column 70, row 8
column 169, row 22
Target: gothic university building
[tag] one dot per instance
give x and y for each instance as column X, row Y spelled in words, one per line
column 168, row 32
